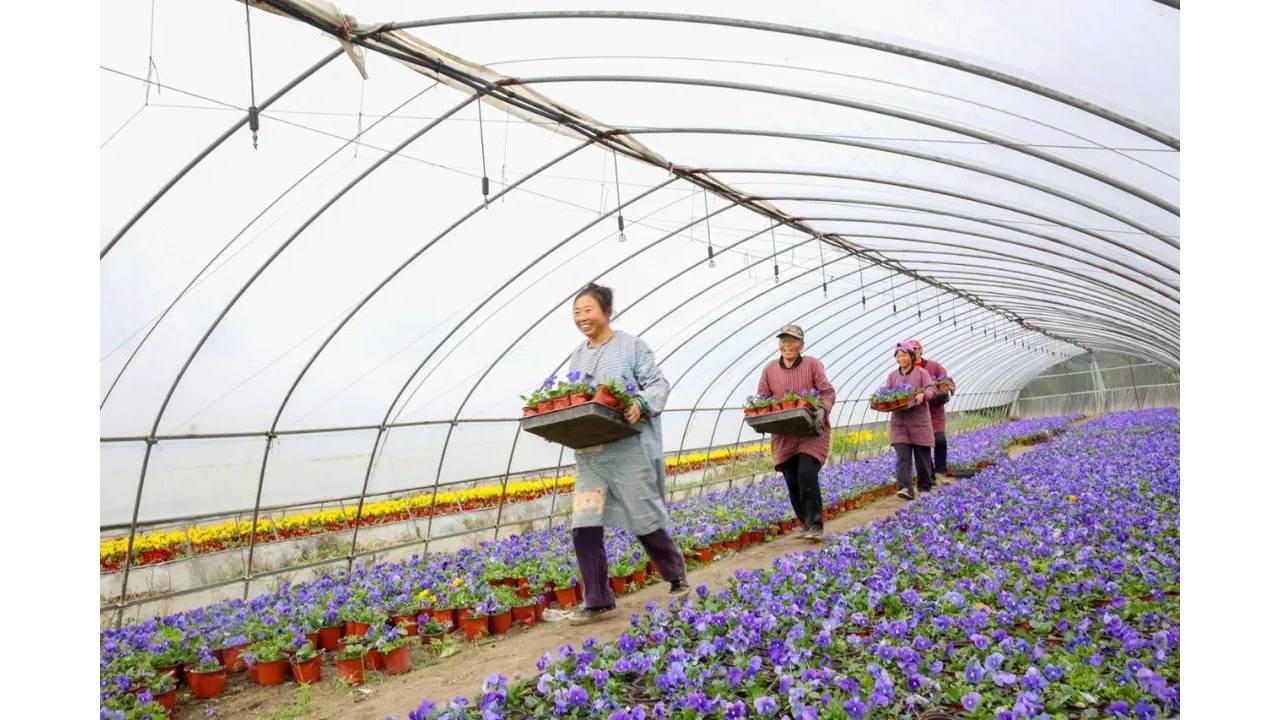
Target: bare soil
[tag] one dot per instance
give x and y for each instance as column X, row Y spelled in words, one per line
column 465, row 665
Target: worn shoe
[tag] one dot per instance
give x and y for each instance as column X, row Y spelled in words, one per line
column 906, row 494
column 814, row 535
column 584, row 616
column 679, row 588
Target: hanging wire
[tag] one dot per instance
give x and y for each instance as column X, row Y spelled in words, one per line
column 862, row 284
column 892, row 294
column 916, row 299
column 506, row 136
column 151, row 58
column 484, row 166
column 822, row 264
column 360, row 119
column 774, row 238
column 937, row 303
column 953, row 312
column 711, row 256
column 617, row 188
column 253, row 95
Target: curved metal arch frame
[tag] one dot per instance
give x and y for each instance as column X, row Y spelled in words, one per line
column 1087, row 327
column 987, row 252
column 1136, row 329
column 1077, row 168
column 938, row 159
column 934, row 58
column 227, row 308
column 217, row 142
column 957, row 195
column 1076, row 292
column 1137, row 309
column 994, row 238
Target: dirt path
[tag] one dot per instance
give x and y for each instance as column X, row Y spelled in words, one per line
column 513, row 655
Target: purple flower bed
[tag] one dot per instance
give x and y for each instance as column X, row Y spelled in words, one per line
column 460, row 580
column 1046, row 587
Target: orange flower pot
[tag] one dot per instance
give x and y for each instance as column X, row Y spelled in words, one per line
column 270, row 673
column 206, row 685
column 330, row 637
column 398, row 661
column 526, row 615
column 704, row 554
column 351, row 671
column 231, row 658
column 447, row 618
column 566, row 597
column 638, row 578
column 307, row 672
column 373, row 660
column 474, row 628
column 355, row 628
column 500, row 623
column 618, row 584
column 560, row 403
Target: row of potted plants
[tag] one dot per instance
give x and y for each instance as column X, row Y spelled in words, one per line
column 894, row 397
column 1045, row 588
column 445, row 584
column 765, row 404
column 576, row 389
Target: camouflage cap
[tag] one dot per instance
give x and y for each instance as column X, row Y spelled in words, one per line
column 792, row 330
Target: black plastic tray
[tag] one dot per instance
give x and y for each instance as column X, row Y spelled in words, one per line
column 580, row 426
column 796, row 422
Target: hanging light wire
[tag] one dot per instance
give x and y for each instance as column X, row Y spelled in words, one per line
column 253, row 95
column 706, row 207
column 484, row 166
column 617, row 188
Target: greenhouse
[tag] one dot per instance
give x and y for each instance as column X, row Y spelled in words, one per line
column 876, row 412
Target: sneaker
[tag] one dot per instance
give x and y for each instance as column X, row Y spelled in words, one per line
column 679, row 588
column 584, row 616
column 906, row 494
column 816, row 535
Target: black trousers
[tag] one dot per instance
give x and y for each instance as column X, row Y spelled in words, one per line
column 593, row 563
column 939, row 452
column 924, row 464
column 801, row 474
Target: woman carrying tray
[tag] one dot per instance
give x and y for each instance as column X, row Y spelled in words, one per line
column 799, row 458
column 937, row 411
column 910, row 429
column 620, row 484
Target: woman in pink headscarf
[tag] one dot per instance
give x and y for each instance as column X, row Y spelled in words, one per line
column 937, row 411
column 911, row 430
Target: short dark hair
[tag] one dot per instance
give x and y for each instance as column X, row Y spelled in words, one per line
column 602, row 294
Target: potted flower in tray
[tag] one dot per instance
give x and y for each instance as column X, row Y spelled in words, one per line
column 305, row 664
column 350, row 662
column 615, row 394
column 142, row 706
column 757, row 405
column 812, row 398
column 580, row 388
column 393, row 643
column 894, row 397
column 790, row 400
column 207, row 677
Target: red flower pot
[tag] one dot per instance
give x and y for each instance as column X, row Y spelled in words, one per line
column 270, row 673
column 500, row 623
column 231, row 658
column 355, row 628
column 408, row 620
column 604, row 396
column 330, row 637
column 704, row 554
column 168, row 700
column 427, row 638
column 618, row 584
column 172, row 670
column 351, row 671
column 398, row 661
column 314, row 639
column 638, row 578
column 207, row 684
column 447, row 618
column 526, row 615
column 306, row 672
column 790, row 404
column 526, row 411
column 578, row 592
column 566, row 597
column 545, row 406
column 537, row 613
column 373, row 660
column 651, row 569
column 474, row 628
column 579, row 398
column 560, row 403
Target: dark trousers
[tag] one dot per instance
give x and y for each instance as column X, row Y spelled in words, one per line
column 801, row 473
column 593, row 563
column 924, row 464
column 939, row 452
